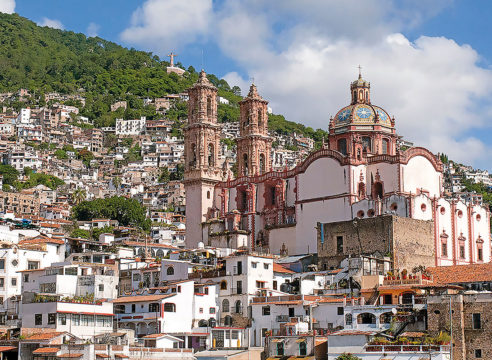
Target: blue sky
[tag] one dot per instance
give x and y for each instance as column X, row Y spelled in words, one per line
column 429, row 62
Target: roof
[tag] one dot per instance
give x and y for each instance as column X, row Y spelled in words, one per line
column 69, row 356
column 461, row 273
column 140, row 298
column 121, row 356
column 41, row 239
column 280, row 269
column 44, row 336
column 292, row 259
column 46, row 350
column 7, row 348
column 103, row 356
column 352, row 333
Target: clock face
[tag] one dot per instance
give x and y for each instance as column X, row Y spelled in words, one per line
column 343, row 116
column 364, row 113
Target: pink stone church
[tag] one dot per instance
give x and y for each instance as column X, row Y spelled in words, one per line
column 358, row 173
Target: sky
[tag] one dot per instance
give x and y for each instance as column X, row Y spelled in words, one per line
column 429, row 62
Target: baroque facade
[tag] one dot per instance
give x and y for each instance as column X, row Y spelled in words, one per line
column 360, row 172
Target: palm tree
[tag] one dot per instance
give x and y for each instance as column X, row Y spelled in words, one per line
column 78, row 196
column 117, row 183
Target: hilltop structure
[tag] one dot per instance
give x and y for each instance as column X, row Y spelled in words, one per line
column 359, row 173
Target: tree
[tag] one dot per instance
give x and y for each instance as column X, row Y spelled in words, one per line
column 164, row 177
column 117, row 183
column 179, row 173
column 348, row 356
column 61, row 154
column 78, row 196
column 9, row 173
column 80, row 233
column 236, row 90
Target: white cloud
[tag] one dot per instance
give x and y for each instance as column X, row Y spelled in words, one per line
column 7, row 6
column 303, row 56
column 52, row 23
column 165, row 25
column 92, row 29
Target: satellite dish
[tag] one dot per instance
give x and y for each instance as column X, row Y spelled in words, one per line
column 394, row 311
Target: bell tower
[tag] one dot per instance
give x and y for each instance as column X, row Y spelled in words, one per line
column 202, row 168
column 253, row 145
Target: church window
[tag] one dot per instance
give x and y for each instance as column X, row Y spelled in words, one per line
column 355, row 96
column 479, row 217
column 443, row 210
column 444, row 248
column 423, row 207
column 360, row 214
column 193, row 154
column 367, row 96
column 209, row 106
column 262, row 163
column 339, row 240
column 370, row 213
column 366, row 143
column 208, row 194
column 272, row 195
column 462, row 240
column 245, row 164
column 394, row 207
column 385, row 146
column 170, row 270
column 378, row 190
column 479, row 252
column 361, row 95
column 342, row 146
column 260, row 118
column 460, row 213
column 211, row 155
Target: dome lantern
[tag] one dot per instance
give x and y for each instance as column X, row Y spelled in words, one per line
column 360, row 90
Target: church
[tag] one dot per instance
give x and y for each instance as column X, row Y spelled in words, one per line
column 359, row 173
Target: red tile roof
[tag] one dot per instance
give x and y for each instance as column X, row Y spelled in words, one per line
column 103, row 356
column 44, row 336
column 7, row 348
column 461, row 273
column 41, row 240
column 141, row 298
column 280, row 269
column 154, row 336
column 69, row 356
column 46, row 350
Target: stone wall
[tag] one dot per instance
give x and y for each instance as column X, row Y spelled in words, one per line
column 409, row 242
column 466, row 339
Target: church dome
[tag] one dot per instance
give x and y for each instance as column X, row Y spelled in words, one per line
column 361, row 111
column 363, row 114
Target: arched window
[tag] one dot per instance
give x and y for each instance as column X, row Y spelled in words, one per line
column 228, row 320
column 262, row 163
column 245, row 164
column 237, row 307
column 342, row 146
column 302, row 348
column 170, row 270
column 223, row 285
column 169, row 307
column 225, row 305
column 348, row 319
column 366, row 318
column 280, row 349
column 211, row 155
column 361, row 95
column 355, row 96
column 366, row 143
column 208, row 194
column 209, row 106
column 377, row 190
column 385, row 145
column 260, row 118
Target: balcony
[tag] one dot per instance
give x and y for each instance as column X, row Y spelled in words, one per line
column 424, row 349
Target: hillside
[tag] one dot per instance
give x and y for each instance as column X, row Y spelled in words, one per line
column 43, row 59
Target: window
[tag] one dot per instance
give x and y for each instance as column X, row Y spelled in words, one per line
column 444, row 248
column 211, row 157
column 75, row 319
column 239, row 267
column 385, row 146
column 260, row 284
column 169, row 307
column 340, row 310
column 38, row 319
column 101, row 287
column 462, row 250
column 200, row 310
column 87, row 320
column 238, row 307
column 13, row 281
column 263, row 332
column 265, row 310
column 32, row 265
column 366, row 143
column 179, row 289
column 342, row 146
column 2, row 264
column 1, row 300
column 477, row 323
column 225, row 305
column 170, row 270
column 266, row 266
column 274, row 284
column 280, row 349
column 2, row 283
column 254, row 265
column 302, row 348
column 480, row 253
column 262, row 164
column 348, row 319
column 478, row 353
column 211, row 310
column 26, row 278
column 339, row 244
column 136, row 277
column 62, row 319
column 133, row 308
column 235, row 334
column 223, row 285
column 291, row 312
column 239, row 287
column 154, row 307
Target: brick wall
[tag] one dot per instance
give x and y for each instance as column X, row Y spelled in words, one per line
column 410, row 242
